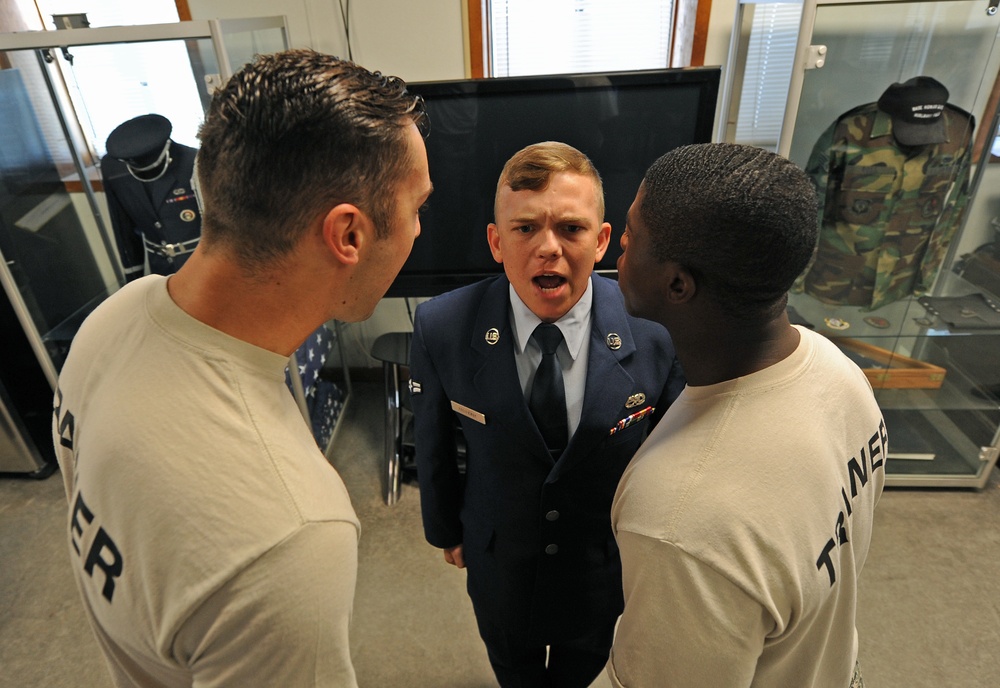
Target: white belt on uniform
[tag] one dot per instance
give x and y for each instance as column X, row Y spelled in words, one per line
column 171, row 250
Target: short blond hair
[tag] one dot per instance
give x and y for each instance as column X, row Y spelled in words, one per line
column 532, row 167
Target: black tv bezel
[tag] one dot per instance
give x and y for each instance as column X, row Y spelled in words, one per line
column 408, row 284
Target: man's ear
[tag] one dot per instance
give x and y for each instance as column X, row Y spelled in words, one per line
column 493, row 237
column 603, row 239
column 345, row 230
column 681, row 284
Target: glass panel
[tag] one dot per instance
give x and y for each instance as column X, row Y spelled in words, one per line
column 872, row 45
column 49, row 239
column 243, row 40
column 886, row 129
column 110, row 84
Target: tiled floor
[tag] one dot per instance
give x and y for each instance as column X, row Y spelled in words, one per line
column 929, row 613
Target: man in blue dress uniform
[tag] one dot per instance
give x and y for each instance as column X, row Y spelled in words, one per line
column 549, row 421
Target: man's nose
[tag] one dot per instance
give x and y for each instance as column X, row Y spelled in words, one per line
column 549, row 243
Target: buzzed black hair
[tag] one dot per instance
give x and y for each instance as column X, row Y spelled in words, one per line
column 741, row 219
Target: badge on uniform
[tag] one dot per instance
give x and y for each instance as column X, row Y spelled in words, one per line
column 635, row 400
column 861, row 206
column 614, row 341
column 492, row 336
column 468, row 413
column 631, row 419
column 188, row 215
column 414, row 387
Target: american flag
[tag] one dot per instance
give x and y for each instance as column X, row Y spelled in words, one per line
column 324, row 398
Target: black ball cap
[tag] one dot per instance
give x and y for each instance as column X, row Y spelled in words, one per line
column 140, row 140
column 917, row 110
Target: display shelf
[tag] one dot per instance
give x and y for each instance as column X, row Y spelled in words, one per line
column 943, row 435
column 901, row 320
column 932, row 448
column 952, row 395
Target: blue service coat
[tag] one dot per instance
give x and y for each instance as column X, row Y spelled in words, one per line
column 536, row 533
column 162, row 211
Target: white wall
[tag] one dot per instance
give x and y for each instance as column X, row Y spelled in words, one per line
column 418, row 41
column 720, row 28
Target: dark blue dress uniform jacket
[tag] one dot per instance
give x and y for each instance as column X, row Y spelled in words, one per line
column 536, row 533
column 164, row 210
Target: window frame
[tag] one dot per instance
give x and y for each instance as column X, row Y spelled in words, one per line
column 477, row 22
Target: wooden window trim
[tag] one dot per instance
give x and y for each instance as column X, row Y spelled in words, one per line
column 183, row 10
column 477, row 36
column 981, row 151
column 700, row 33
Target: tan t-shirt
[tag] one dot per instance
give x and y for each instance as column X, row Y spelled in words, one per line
column 744, row 522
column 212, row 542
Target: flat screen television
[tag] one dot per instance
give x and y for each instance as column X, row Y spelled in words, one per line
column 622, row 121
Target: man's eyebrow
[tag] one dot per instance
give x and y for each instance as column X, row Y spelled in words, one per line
column 573, row 220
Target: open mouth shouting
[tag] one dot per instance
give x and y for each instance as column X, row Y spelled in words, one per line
column 549, row 282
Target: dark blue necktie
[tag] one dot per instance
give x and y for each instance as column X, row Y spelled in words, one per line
column 547, row 400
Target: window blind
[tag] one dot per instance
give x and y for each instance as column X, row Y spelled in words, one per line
column 768, row 73
column 578, row 36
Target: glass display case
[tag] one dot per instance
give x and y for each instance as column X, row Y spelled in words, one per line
column 891, row 107
column 58, row 258
column 61, row 94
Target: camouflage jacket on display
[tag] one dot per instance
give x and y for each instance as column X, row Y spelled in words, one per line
column 888, row 212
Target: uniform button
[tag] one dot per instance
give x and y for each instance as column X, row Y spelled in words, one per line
column 551, row 549
column 157, row 225
column 552, row 515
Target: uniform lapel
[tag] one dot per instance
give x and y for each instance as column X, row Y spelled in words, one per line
column 163, row 187
column 495, row 379
column 608, row 383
